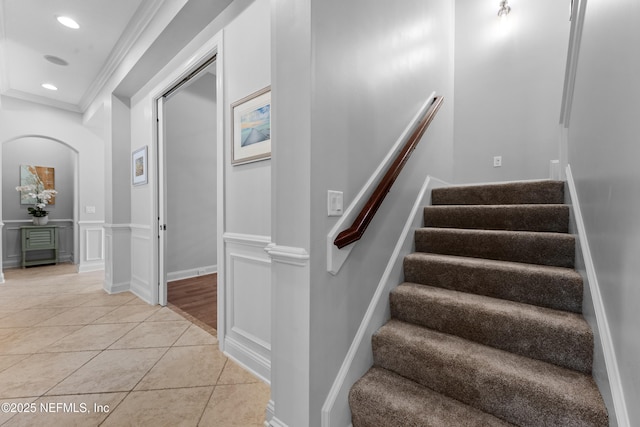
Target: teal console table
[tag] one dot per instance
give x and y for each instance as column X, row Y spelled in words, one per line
column 38, row 238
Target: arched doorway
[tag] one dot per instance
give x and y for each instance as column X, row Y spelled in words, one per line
column 38, row 150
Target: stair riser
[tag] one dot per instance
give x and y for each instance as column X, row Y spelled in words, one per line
column 552, row 289
column 533, row 248
column 487, row 387
column 543, row 218
column 541, row 192
column 563, row 340
column 405, row 403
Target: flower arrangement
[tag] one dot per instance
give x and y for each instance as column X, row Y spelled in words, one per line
column 41, row 196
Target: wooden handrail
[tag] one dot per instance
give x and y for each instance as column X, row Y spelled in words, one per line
column 360, row 224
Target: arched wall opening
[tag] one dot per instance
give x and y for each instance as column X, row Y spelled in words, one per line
column 39, row 150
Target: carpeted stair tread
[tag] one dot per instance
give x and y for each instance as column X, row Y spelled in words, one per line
column 527, row 192
column 520, row 246
column 382, row 398
column 554, row 336
column 547, row 218
column 545, row 286
column 520, row 390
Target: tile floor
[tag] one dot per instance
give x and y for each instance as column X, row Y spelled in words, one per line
column 72, row 355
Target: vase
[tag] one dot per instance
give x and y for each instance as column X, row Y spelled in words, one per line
column 40, row 220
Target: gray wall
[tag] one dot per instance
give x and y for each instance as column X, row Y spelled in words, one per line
column 371, row 68
column 37, row 152
column 508, row 81
column 190, row 124
column 603, row 154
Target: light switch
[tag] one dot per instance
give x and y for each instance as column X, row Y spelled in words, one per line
column 90, row 209
column 334, row 203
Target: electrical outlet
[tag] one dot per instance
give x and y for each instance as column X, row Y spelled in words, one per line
column 497, row 161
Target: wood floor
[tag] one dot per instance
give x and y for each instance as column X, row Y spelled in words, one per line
column 196, row 298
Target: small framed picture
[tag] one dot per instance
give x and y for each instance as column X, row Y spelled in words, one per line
column 251, row 129
column 139, row 166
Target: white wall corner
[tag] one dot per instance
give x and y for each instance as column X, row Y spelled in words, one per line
column 602, row 323
column 359, row 358
column 269, row 412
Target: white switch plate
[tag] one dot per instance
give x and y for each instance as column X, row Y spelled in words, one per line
column 90, row 209
column 497, row 161
column 334, row 203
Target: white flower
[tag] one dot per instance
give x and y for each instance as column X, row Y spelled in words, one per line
column 41, row 205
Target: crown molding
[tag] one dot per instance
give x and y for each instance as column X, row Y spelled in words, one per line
column 13, row 93
column 132, row 33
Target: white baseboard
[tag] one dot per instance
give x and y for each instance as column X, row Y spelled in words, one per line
column 141, row 290
column 255, row 363
column 602, row 323
column 116, row 288
column 359, row 358
column 192, row 272
column 276, row 423
column 90, row 266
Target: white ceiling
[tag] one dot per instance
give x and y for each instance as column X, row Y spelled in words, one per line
column 29, row 31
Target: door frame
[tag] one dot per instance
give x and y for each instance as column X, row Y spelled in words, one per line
column 214, row 47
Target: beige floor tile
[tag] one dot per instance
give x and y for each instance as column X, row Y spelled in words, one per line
column 65, row 300
column 69, row 411
column 91, row 337
column 152, row 334
column 78, row 316
column 235, row 374
column 5, row 312
column 110, row 371
column 161, row 408
column 165, row 315
column 36, row 374
column 104, row 299
column 241, row 405
column 128, row 314
column 30, row 317
column 32, row 340
column 13, row 409
column 185, row 367
column 196, row 336
column 10, row 360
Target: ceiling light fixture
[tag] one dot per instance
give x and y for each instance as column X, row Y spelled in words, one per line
column 504, row 10
column 49, row 86
column 68, row 22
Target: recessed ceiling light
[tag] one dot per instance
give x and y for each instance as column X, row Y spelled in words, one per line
column 56, row 60
column 68, row 22
column 49, row 86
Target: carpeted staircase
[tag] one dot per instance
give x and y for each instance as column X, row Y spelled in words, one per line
column 486, row 330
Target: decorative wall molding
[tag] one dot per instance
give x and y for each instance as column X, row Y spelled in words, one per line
column 359, row 358
column 117, row 272
column 336, row 257
column 288, row 255
column 251, row 360
column 602, row 322
column 92, row 249
column 270, row 413
column 247, row 239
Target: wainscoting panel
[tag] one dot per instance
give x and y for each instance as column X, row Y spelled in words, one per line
column 117, row 274
column 12, row 245
column 247, row 299
column 141, row 249
column 91, row 246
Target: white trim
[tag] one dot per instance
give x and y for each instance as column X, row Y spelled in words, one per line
column 87, row 268
column 140, row 226
column 192, row 272
column 116, row 288
column 276, row 423
column 610, row 359
column 18, row 221
column 247, row 239
column 250, row 359
column 359, row 358
column 288, row 255
column 336, row 257
column 269, row 412
column 91, row 222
